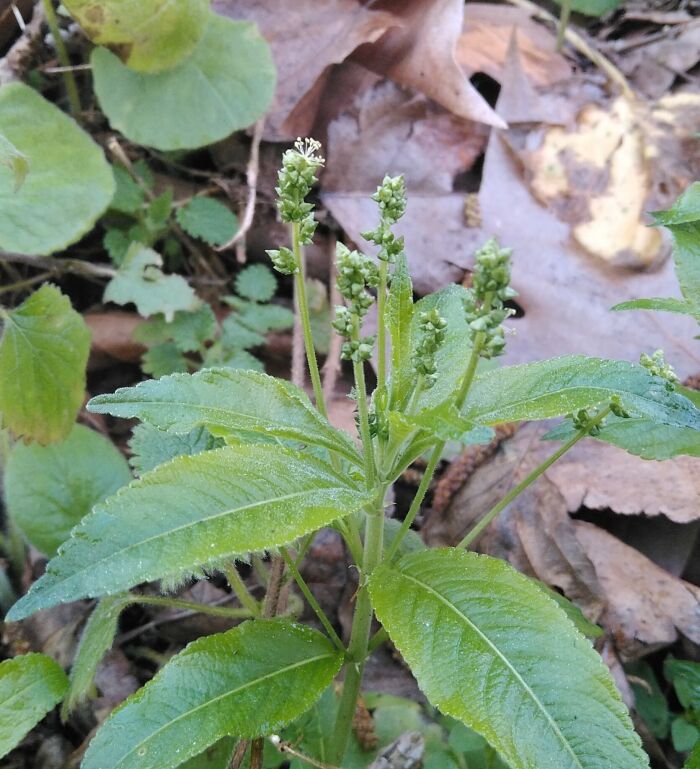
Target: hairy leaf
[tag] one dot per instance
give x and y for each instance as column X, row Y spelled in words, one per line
column 95, row 642
column 43, row 353
column 265, row 317
column 237, row 335
column 227, row 402
column 208, row 219
column 49, row 489
column 230, row 78
column 400, row 318
column 141, row 280
column 218, row 356
column 489, row 648
column 151, row 447
column 218, row 756
column 187, row 330
column 16, row 161
column 163, row 359
column 559, row 386
column 69, row 184
column 219, row 504
column 128, row 196
column 247, row 682
column 685, row 676
column 30, row 686
column 149, row 35
column 661, row 305
column 256, row 282
column 686, row 209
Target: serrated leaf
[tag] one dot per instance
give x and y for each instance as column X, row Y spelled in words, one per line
column 685, row 676
column 236, row 335
column 230, row 78
column 649, row 701
column 490, row 649
column 188, row 331
column 575, row 615
column 96, row 640
column 164, row 359
column 149, row 35
column 43, row 354
column 257, row 283
column 227, row 402
column 207, row 219
column 268, row 317
column 660, row 305
column 16, row 161
column 116, row 243
column 218, row 756
column 685, row 210
column 220, row 504
column 218, row 356
column 30, row 686
column 559, row 386
column 70, row 184
column 49, row 489
column 141, row 281
column 128, row 196
column 247, row 682
column 151, row 447
column 399, row 309
column 158, row 212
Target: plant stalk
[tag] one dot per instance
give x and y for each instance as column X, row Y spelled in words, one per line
column 63, row 58
column 564, row 16
column 531, row 478
column 178, row 603
column 381, row 326
column 240, row 590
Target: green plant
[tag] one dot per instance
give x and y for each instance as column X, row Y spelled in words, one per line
column 489, row 647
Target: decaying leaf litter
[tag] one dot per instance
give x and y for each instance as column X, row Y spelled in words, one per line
column 553, row 158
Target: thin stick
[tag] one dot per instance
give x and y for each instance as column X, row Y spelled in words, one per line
column 252, row 180
column 74, row 266
column 239, row 754
column 178, row 603
column 286, row 747
column 62, row 53
column 20, row 284
column 578, row 42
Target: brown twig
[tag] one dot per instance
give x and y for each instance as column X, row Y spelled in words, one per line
column 287, row 747
column 239, row 754
column 252, row 179
column 53, row 265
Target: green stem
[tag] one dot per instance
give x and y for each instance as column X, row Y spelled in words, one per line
column 564, row 16
column 381, row 326
column 531, row 478
column 363, row 411
column 313, row 603
column 380, row 637
column 240, row 590
column 303, row 304
column 63, row 58
column 178, row 603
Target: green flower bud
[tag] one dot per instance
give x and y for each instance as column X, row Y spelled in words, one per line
column 358, row 350
column 295, row 179
column 283, row 260
column 656, row 365
column 617, row 408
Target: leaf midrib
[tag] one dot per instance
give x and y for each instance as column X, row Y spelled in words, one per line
column 237, row 690
column 504, row 659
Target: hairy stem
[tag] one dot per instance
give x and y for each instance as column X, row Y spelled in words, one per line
column 381, row 326
column 531, row 478
column 240, row 590
column 178, row 603
column 63, row 58
column 311, row 599
column 303, row 304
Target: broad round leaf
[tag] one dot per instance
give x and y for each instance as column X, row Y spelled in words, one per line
column 30, row 686
column 208, row 219
column 149, row 35
column 43, row 353
column 248, row 682
column 226, row 84
column 219, row 504
column 49, row 489
column 257, row 283
column 227, row 402
column 69, row 183
column 490, row 649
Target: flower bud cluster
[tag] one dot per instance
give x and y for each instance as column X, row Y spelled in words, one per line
column 617, row 408
column 656, row 365
column 357, row 349
column 582, row 421
column 433, row 329
column 490, row 289
column 391, row 197
column 283, row 260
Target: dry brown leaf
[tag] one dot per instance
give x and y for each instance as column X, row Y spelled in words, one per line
column 113, row 338
column 483, row 46
column 306, row 37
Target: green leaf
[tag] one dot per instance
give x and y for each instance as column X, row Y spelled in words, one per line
column 95, row 642
column 490, row 649
column 661, row 305
column 116, row 243
column 158, row 213
column 411, row 543
column 49, row 489
column 270, row 317
column 247, row 682
column 236, row 335
column 219, row 356
column 128, row 196
column 30, row 686
column 140, row 280
column 685, row 676
column 684, row 734
column 559, row 386
column 150, row 35
column 16, row 161
column 399, row 309
column 257, row 283
column 220, row 504
column 230, row 78
column 208, row 219
column 151, row 447
column 686, row 209
column 649, row 700
column 218, row 756
column 164, row 359
column 577, row 617
column 592, row 7
column 227, row 402
column 43, row 354
column 187, row 330
column 70, row 183
column 693, row 761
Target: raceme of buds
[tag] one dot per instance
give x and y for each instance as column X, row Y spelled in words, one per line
column 656, row 365
column 490, row 289
column 391, row 197
column 617, row 408
column 433, row 329
column 357, row 350
column 283, row 260
column 582, row 421
column 355, row 273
